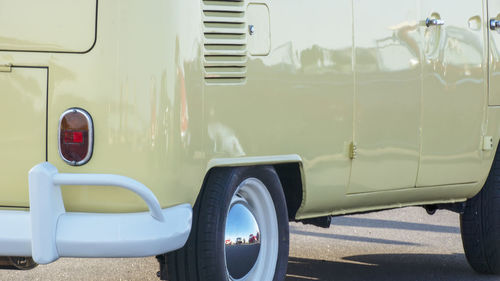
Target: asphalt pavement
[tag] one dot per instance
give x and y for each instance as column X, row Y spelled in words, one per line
column 401, row 244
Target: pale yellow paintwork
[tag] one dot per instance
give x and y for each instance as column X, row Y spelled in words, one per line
column 387, row 95
column 259, row 44
column 454, row 94
column 494, row 58
column 23, row 131
column 324, row 74
column 49, row 25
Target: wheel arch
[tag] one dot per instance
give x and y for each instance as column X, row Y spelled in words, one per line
column 288, row 167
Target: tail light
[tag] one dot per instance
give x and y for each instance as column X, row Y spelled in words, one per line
column 75, row 136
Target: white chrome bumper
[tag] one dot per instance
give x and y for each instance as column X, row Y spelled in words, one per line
column 48, row 232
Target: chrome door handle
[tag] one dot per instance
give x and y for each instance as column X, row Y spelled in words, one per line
column 433, row 22
column 494, row 24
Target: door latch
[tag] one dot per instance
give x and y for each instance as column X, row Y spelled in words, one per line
column 433, row 22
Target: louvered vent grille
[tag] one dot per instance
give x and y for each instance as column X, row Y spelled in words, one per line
column 225, row 41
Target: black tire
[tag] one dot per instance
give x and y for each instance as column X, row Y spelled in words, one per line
column 23, row 263
column 480, row 225
column 203, row 256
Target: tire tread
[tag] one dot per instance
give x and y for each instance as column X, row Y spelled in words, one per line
column 480, row 225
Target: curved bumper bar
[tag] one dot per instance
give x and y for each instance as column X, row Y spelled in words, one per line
column 113, row 180
column 48, row 232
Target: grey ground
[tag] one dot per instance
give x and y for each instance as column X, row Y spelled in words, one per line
column 402, row 244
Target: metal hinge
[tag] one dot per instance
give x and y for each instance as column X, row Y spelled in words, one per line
column 352, row 150
column 5, row 67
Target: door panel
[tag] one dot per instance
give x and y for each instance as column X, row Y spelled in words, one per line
column 453, row 93
column 494, row 13
column 22, row 110
column 387, row 95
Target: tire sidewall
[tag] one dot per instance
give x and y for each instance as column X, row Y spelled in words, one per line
column 270, row 179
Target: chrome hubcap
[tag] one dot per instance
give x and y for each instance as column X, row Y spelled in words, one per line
column 242, row 239
column 251, row 217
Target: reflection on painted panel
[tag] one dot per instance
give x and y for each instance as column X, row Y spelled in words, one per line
column 387, row 95
column 341, row 73
column 454, row 92
column 296, row 100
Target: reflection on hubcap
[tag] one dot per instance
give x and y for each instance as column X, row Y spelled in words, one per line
column 242, row 240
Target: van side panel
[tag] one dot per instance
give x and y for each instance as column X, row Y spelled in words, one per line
column 142, row 85
column 170, row 89
column 298, row 99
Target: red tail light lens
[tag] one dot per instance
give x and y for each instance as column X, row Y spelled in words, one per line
column 75, row 136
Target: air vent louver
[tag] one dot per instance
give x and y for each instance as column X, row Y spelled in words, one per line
column 225, row 49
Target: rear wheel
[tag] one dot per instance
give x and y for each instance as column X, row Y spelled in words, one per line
column 19, row 263
column 22, row 263
column 240, row 229
column 480, row 225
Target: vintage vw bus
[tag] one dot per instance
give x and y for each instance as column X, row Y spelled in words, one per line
column 171, row 128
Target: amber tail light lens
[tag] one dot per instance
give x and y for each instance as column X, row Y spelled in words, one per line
column 75, row 136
